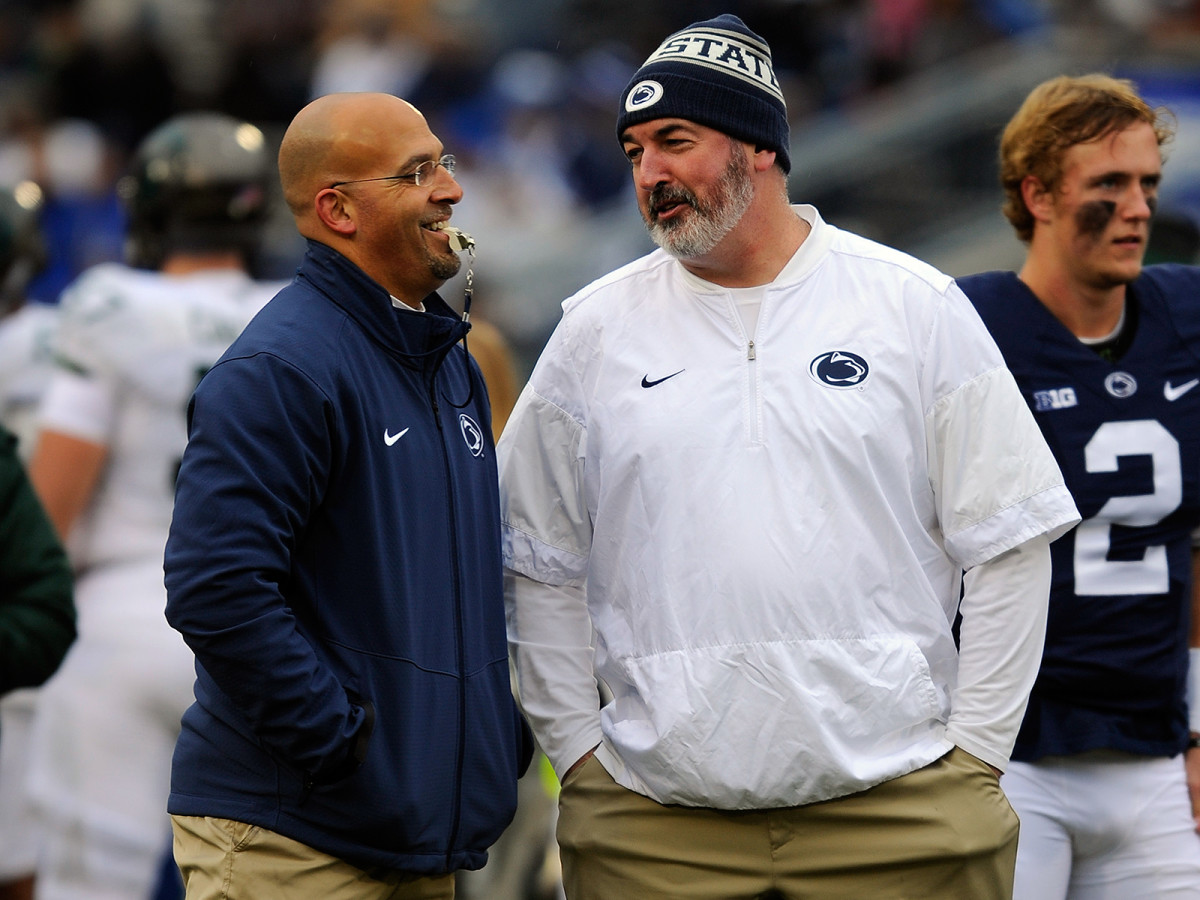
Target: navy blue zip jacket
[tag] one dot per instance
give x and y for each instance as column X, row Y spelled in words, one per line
column 334, row 563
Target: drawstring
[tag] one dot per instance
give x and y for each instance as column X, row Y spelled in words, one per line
column 460, row 241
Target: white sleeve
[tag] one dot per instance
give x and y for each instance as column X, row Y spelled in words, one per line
column 996, row 481
column 97, row 331
column 547, row 540
column 550, row 644
column 80, row 406
column 1003, row 630
column 547, row 525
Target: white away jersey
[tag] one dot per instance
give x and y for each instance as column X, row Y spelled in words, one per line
column 130, row 348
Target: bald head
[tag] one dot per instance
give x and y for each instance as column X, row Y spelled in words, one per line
column 339, row 137
column 347, row 164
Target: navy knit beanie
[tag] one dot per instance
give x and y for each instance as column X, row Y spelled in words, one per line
column 716, row 73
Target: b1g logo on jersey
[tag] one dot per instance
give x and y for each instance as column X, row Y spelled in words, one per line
column 839, row 369
column 472, row 434
column 1054, row 398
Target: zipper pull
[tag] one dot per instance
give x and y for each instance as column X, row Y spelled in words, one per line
column 750, row 353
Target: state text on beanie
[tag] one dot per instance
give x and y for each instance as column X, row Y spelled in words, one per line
column 716, row 73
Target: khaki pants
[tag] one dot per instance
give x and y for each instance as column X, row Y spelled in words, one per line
column 944, row 832
column 225, row 860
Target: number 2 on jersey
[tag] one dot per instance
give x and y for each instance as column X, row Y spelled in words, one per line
column 1095, row 573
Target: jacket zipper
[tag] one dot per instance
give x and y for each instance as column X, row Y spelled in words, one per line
column 456, row 816
column 752, row 378
column 753, row 428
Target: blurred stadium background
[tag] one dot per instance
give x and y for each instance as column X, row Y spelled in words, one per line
column 895, row 109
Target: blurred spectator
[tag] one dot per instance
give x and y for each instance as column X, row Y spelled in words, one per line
column 75, row 164
column 105, row 68
column 271, row 51
column 373, row 46
column 83, row 218
column 596, row 175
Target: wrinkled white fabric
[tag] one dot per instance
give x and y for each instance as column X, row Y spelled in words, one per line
column 761, row 556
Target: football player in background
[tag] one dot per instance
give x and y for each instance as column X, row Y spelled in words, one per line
column 133, row 341
column 1107, row 355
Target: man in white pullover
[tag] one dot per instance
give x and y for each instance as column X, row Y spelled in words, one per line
column 740, row 491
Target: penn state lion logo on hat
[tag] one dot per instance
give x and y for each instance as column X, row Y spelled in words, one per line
column 644, row 94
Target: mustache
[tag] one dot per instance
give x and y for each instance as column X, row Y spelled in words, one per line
column 441, row 211
column 663, row 195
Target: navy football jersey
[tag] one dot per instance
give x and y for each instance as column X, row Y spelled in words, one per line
column 1127, row 437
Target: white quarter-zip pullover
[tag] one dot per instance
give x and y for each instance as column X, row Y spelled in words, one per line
column 758, row 544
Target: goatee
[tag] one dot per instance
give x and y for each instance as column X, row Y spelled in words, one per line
column 697, row 233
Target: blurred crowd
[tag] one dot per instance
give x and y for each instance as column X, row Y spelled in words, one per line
column 522, row 91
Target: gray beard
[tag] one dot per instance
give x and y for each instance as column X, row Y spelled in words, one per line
column 709, row 222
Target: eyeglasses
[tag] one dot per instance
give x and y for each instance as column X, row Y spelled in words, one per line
column 420, row 176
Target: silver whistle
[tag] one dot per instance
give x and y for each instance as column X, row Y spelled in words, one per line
column 459, row 239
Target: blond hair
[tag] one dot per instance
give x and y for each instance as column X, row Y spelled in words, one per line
column 1057, row 115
